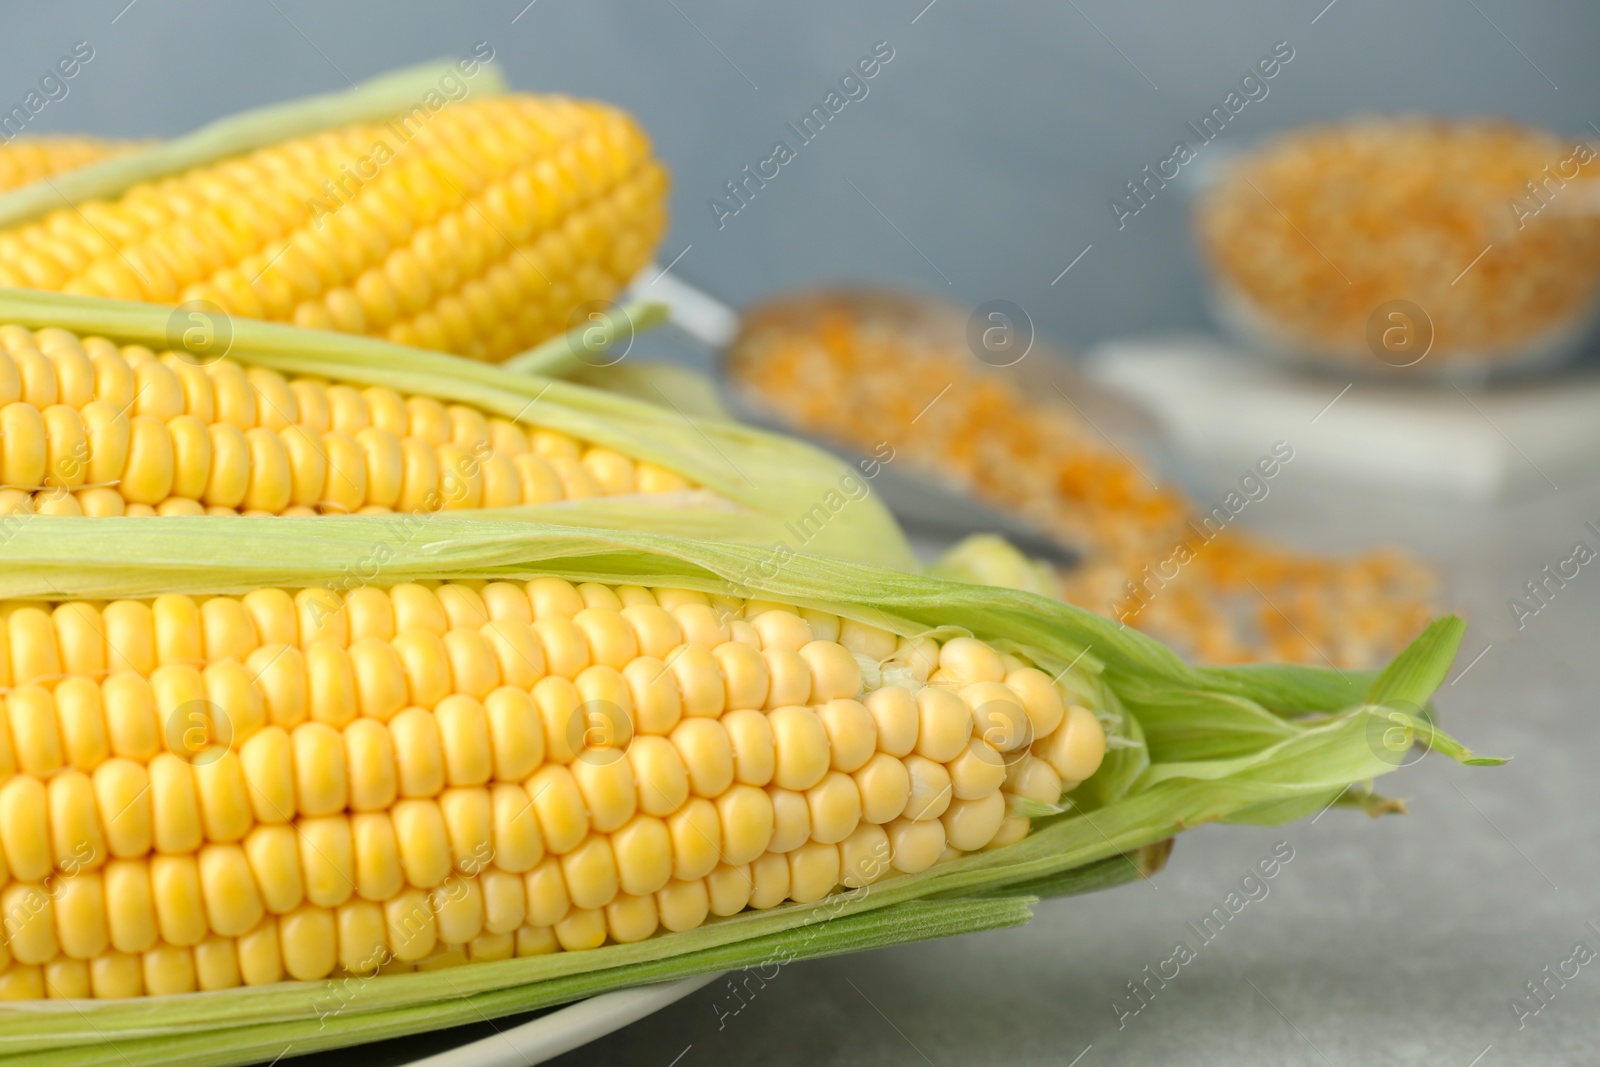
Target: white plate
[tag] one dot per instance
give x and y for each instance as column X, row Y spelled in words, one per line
column 566, row 1028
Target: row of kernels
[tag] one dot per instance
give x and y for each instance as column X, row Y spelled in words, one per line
column 100, row 502
column 465, row 741
column 86, row 637
column 490, row 916
column 125, row 809
column 126, row 806
column 184, row 709
column 82, row 403
column 226, row 889
column 253, row 185
column 28, row 159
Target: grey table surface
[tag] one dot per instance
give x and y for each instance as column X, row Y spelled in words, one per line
column 1402, row 940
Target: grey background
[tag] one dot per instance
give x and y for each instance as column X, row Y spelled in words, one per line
column 991, row 143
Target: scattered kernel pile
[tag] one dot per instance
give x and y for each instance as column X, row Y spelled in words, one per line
column 477, row 231
column 27, row 159
column 87, row 428
column 199, row 795
column 1238, row 599
column 1321, row 226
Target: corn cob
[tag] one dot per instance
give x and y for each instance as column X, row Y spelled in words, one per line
column 383, row 427
column 1181, row 746
column 93, row 429
column 243, row 789
column 28, row 159
column 477, row 229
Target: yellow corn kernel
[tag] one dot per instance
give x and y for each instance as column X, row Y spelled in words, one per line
column 696, row 838
column 458, row 910
column 122, row 798
column 747, row 821
column 834, row 671
column 769, row 880
column 516, row 733
column 582, row 928
column 116, row 975
column 835, row 805
column 80, row 717
column 233, row 904
column 424, row 842
column 728, row 888
column 504, row 901
column 864, row 856
column 978, row 771
column 273, row 852
column 321, row 786
column 800, row 747
column 1033, row 779
column 327, row 859
column 175, row 805
column 308, row 938
column 930, row 789
column 1076, row 747
column 412, row 932
column 80, row 637
column 176, row 890
column 970, row 824
column 744, row 673
column 80, row 914
column 130, row 905
column 168, row 970
column 216, row 963
column 998, row 716
column 362, row 935
column 76, row 837
column 463, row 726
column 130, row 710
column 24, row 828
column 34, row 653
column 1039, row 698
column 545, row 892
column 427, row 667
column 378, row 874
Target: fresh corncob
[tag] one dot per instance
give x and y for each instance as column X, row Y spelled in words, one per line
column 243, row 789
column 88, row 428
column 298, row 422
column 28, row 159
column 477, row 227
column 234, row 762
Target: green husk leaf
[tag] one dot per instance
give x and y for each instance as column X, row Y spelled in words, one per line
column 781, row 481
column 658, row 382
column 1420, row 668
column 1136, row 802
column 334, row 1022
column 559, row 357
column 381, row 97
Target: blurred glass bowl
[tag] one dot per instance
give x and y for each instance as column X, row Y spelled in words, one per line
column 1438, row 248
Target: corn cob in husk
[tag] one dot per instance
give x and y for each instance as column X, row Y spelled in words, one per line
column 1181, row 746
